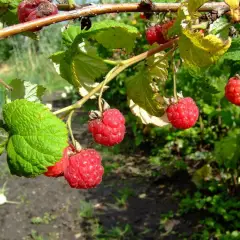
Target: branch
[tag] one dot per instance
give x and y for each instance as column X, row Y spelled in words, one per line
column 99, row 9
column 117, row 70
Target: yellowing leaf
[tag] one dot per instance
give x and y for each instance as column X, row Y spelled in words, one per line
column 158, row 66
column 193, row 5
column 233, row 4
column 145, row 117
column 198, row 51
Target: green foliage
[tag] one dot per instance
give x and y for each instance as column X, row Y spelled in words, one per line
column 3, row 139
column 109, row 33
column 193, row 5
column 37, row 137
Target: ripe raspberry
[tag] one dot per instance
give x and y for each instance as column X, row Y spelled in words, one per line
column 32, row 9
column 143, row 16
column 84, row 169
column 183, row 114
column 58, row 169
column 232, row 90
column 151, row 35
column 158, row 33
column 110, row 129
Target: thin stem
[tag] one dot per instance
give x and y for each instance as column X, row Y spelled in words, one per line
column 174, row 79
column 5, row 85
column 117, row 70
column 109, row 75
column 111, row 62
column 69, row 124
column 94, row 10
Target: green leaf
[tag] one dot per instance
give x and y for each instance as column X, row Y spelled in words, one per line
column 82, row 68
column 3, row 139
column 233, row 52
column 204, row 173
column 37, row 137
column 198, row 51
column 227, row 150
column 26, row 90
column 8, row 11
column 140, row 91
column 193, row 5
column 111, row 34
column 70, row 33
column 220, row 27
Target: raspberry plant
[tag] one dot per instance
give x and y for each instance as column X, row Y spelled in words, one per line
column 35, row 138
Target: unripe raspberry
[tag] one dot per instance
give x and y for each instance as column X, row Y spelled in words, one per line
column 58, row 169
column 84, row 169
column 32, row 9
column 232, row 90
column 183, row 114
column 110, row 129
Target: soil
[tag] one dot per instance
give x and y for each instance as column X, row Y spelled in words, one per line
column 49, row 209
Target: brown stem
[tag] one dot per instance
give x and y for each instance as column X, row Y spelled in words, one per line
column 99, row 9
column 5, row 85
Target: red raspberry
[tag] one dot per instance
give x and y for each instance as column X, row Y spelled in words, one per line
column 110, row 129
column 143, row 16
column 183, row 114
column 158, row 33
column 58, row 169
column 84, row 169
column 151, row 35
column 232, row 90
column 32, row 9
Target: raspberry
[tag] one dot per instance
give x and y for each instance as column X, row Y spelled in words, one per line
column 84, row 169
column 32, row 9
column 109, row 129
column 158, row 33
column 143, row 16
column 232, row 90
column 151, row 35
column 58, row 169
column 183, row 114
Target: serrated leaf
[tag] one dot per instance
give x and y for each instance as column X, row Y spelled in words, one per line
column 220, row 27
column 3, row 139
column 207, row 87
column 158, row 66
column 193, row 5
column 70, row 33
column 233, row 52
column 26, row 90
column 145, row 117
column 198, row 51
column 139, row 90
column 111, row 34
column 37, row 137
column 233, row 4
column 82, row 68
column 8, row 11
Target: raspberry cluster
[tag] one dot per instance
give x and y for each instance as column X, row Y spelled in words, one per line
column 33, row 9
column 158, row 33
column 82, row 170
